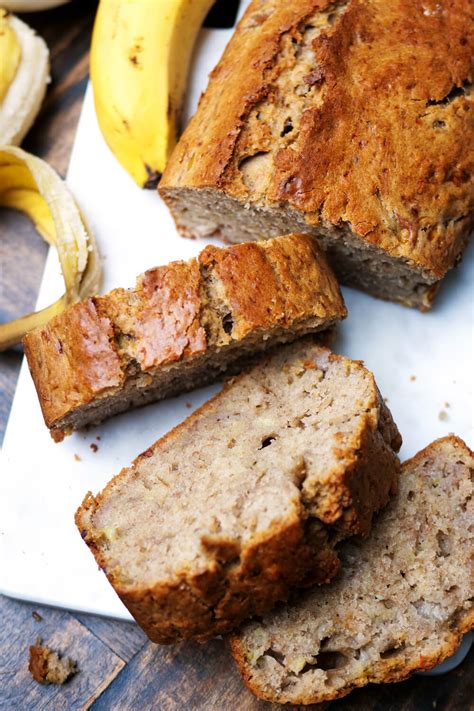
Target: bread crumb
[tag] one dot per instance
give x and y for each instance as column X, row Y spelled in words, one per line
column 36, row 616
column 47, row 667
column 385, row 400
column 412, row 377
column 94, row 447
column 189, row 405
column 443, row 415
column 77, row 458
column 446, row 404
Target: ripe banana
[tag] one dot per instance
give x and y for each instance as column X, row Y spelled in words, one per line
column 31, row 5
column 32, row 186
column 24, row 74
column 140, row 56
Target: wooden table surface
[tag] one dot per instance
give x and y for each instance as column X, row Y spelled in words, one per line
column 118, row 668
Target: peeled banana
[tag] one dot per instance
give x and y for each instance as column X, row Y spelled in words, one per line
column 30, row 185
column 24, row 75
column 140, row 56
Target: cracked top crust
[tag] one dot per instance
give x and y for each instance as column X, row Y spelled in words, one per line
column 176, row 313
column 356, row 112
column 248, row 497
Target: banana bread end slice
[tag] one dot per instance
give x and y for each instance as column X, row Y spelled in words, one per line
column 401, row 603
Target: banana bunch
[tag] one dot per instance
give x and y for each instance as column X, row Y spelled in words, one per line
column 140, row 56
column 24, row 74
column 30, row 185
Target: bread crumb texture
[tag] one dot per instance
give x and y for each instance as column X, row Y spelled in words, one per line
column 248, row 497
column 401, row 601
column 48, row 667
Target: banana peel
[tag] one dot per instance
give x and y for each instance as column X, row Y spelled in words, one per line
column 140, row 56
column 30, row 185
column 24, row 76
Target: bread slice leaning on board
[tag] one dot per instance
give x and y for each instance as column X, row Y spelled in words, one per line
column 348, row 120
column 184, row 324
column 401, row 602
column 248, row 497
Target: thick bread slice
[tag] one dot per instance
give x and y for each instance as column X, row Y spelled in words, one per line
column 247, row 498
column 183, row 325
column 351, row 120
column 401, row 602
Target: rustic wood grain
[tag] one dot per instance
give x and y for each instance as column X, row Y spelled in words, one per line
column 97, row 664
column 186, row 676
column 119, row 669
column 125, row 639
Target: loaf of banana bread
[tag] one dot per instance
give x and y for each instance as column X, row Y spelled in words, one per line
column 351, row 120
column 248, row 497
column 183, row 325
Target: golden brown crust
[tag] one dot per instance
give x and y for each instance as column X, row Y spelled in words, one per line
column 72, row 360
column 387, row 670
column 38, row 663
column 168, row 327
column 97, row 347
column 243, row 581
column 383, row 140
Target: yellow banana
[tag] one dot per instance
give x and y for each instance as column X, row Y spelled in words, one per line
column 140, row 56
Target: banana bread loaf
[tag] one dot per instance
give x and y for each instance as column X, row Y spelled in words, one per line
column 247, row 498
column 401, row 602
column 183, row 325
column 350, row 120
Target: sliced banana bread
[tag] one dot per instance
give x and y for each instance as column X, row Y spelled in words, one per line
column 183, row 325
column 401, row 602
column 348, row 119
column 247, row 498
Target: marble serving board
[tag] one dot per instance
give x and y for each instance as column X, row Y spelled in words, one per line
column 422, row 362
